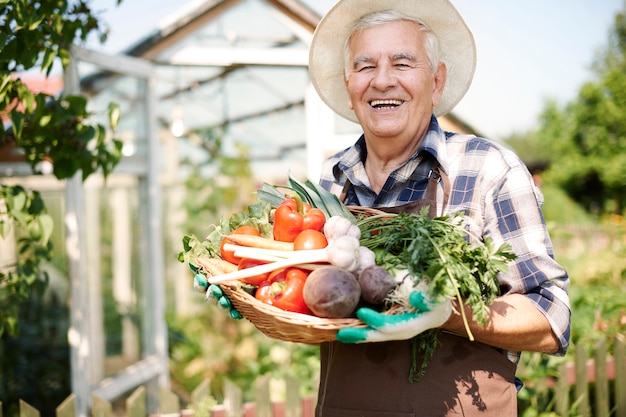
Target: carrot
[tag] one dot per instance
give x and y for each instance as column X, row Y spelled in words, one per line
column 260, row 242
column 253, row 252
column 216, row 266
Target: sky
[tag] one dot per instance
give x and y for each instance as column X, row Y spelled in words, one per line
column 528, row 52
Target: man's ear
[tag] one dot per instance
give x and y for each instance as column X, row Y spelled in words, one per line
column 345, row 81
column 439, row 82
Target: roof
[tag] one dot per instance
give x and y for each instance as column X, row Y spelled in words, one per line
column 205, row 11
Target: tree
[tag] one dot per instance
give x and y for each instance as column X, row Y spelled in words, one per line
column 36, row 34
column 586, row 140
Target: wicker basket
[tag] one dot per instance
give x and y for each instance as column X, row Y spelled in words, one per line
column 287, row 326
column 284, row 325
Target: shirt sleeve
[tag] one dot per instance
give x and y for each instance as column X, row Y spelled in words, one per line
column 513, row 215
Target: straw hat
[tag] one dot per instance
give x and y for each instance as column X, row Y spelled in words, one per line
column 326, row 55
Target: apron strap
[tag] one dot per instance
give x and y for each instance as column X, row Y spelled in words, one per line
column 435, row 175
column 344, row 191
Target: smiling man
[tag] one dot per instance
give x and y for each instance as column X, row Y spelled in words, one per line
column 393, row 66
column 392, row 88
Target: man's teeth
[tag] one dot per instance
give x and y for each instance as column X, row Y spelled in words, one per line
column 385, row 103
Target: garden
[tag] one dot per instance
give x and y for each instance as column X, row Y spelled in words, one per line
column 577, row 153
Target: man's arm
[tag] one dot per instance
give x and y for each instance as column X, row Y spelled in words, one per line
column 515, row 324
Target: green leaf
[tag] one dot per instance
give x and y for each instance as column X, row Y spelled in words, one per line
column 35, row 24
column 318, row 197
column 48, row 60
column 5, row 82
column 29, row 100
column 64, row 168
column 46, row 225
column 17, row 119
column 37, row 205
column 5, row 228
column 186, row 246
column 17, row 200
column 114, row 115
column 45, row 120
column 331, row 201
column 270, row 194
column 65, row 57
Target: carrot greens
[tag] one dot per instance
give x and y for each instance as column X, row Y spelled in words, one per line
column 438, row 251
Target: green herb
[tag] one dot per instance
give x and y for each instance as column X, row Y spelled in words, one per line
column 258, row 216
column 439, row 251
column 310, row 193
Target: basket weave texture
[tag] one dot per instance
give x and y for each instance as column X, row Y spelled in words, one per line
column 285, row 325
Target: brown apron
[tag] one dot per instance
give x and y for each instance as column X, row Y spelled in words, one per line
column 463, row 378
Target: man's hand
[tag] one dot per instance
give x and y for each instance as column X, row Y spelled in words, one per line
column 215, row 295
column 382, row 327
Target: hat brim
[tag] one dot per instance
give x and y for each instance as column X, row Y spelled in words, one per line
column 326, row 54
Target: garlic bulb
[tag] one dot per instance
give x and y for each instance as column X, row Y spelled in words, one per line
column 337, row 226
column 367, row 257
column 343, row 252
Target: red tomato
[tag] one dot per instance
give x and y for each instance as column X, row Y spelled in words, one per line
column 241, row 230
column 248, row 263
column 310, row 239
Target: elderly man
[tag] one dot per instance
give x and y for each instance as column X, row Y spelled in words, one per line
column 393, row 66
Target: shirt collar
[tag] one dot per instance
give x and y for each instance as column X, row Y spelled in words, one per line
column 435, row 143
column 351, row 162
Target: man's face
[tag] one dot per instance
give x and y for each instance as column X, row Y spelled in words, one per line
column 391, row 87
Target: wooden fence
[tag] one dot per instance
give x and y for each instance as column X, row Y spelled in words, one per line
column 587, row 387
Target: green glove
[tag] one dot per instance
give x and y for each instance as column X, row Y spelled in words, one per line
column 200, row 283
column 214, row 294
column 383, row 327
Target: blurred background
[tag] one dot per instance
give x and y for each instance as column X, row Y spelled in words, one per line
column 212, row 99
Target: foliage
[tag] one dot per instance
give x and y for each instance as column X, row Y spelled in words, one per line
column 238, row 351
column 198, row 350
column 438, row 251
column 583, row 145
column 34, row 364
column 586, row 140
column 598, row 273
column 24, row 214
column 220, row 184
column 600, row 276
column 34, row 34
column 534, row 369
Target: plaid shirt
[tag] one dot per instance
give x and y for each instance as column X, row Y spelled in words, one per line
column 497, row 195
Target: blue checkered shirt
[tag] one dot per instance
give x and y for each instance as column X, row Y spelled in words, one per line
column 497, row 195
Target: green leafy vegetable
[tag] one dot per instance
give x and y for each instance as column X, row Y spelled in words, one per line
column 438, row 251
column 310, row 193
column 258, row 216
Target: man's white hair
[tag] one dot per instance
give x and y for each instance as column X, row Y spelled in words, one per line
column 431, row 43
